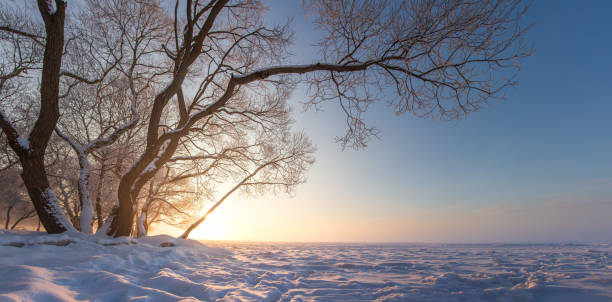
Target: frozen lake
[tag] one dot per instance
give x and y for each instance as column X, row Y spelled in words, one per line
column 340, row 272
column 87, row 269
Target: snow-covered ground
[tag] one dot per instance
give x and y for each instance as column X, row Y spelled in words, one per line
column 87, row 268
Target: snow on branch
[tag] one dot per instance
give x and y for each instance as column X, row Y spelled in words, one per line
column 18, row 142
column 56, row 211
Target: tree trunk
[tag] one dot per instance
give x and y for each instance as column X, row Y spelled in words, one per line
column 8, row 217
column 31, row 151
column 146, row 224
column 142, row 227
column 142, row 224
column 121, row 218
column 149, row 163
column 86, row 217
column 71, row 210
column 99, row 195
column 45, row 202
column 122, row 222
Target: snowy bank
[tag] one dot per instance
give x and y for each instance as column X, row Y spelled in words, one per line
column 80, row 268
column 40, row 267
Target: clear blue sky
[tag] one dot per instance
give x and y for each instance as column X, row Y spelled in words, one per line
column 536, row 166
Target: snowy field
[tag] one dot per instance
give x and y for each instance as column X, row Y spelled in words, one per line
column 141, row 270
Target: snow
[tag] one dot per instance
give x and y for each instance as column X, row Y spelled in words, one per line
column 23, row 142
column 104, row 269
column 143, row 218
column 51, row 7
column 151, row 166
column 87, row 212
column 103, row 230
column 56, row 210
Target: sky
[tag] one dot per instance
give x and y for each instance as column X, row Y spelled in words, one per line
column 535, row 167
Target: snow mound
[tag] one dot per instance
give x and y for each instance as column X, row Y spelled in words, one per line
column 127, row 269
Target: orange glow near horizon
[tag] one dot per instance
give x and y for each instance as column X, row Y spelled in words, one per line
column 320, row 212
column 213, row 228
column 283, row 219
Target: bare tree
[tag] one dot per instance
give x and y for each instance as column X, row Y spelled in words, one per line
column 14, row 200
column 215, row 79
column 122, row 35
column 442, row 58
column 25, row 47
column 96, row 47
